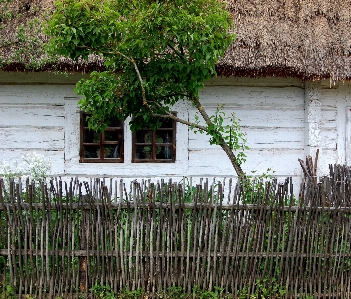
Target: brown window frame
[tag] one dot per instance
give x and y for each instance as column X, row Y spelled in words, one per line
column 101, row 144
column 154, row 144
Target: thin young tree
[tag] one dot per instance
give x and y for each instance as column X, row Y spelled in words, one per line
column 155, row 53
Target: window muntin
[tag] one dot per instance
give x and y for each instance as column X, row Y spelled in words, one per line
column 105, row 147
column 155, row 145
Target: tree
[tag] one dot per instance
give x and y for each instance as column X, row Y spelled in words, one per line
column 156, row 53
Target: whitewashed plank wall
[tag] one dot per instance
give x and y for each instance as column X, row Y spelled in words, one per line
column 38, row 112
column 32, row 116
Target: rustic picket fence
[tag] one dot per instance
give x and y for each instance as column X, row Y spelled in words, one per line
column 63, row 237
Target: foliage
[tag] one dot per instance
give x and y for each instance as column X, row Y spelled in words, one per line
column 156, row 53
column 23, row 41
column 126, row 294
column 255, row 187
column 11, row 169
column 7, row 291
column 264, row 289
column 34, row 165
column 227, row 127
column 207, row 294
column 103, row 292
column 38, row 166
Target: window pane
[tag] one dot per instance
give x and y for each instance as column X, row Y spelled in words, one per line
column 164, row 137
column 167, row 123
column 112, row 151
column 143, row 152
column 111, row 136
column 85, row 121
column 91, row 137
column 101, row 146
column 164, row 152
column 113, row 122
column 91, row 151
column 155, row 145
column 144, row 136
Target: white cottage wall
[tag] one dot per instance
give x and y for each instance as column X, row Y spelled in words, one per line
column 271, row 113
column 335, row 125
column 32, row 119
column 39, row 112
column 32, row 115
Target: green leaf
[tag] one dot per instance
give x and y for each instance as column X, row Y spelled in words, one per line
column 173, row 47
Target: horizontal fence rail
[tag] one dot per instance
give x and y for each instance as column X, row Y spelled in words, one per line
column 61, row 238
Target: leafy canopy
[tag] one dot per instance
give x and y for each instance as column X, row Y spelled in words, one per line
column 155, row 53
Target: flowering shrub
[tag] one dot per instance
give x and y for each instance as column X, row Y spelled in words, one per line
column 38, row 166
column 35, row 165
column 11, row 169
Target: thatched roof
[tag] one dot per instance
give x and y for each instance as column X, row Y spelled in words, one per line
column 303, row 38
column 22, row 40
column 308, row 39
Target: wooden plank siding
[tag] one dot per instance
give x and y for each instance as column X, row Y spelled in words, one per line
column 42, row 115
column 32, row 118
column 272, row 118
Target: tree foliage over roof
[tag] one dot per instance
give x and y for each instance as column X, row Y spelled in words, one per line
column 156, row 53
column 174, row 46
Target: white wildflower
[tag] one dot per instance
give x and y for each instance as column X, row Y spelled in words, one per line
column 38, row 166
column 11, row 170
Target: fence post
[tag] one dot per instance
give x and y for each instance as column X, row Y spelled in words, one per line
column 83, row 246
column 3, row 232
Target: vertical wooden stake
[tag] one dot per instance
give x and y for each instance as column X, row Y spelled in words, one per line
column 83, row 260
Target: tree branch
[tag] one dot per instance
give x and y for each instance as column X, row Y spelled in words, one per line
column 177, row 52
column 172, row 95
column 143, row 93
column 182, row 121
column 223, row 143
column 131, row 60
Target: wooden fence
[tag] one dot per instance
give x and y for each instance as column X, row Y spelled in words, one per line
column 61, row 238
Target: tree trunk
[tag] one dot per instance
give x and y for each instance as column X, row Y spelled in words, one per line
column 223, row 143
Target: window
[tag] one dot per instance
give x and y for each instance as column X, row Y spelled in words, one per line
column 106, row 147
column 155, row 146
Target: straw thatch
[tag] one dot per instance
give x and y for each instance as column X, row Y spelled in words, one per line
column 22, row 39
column 303, row 38
column 308, row 39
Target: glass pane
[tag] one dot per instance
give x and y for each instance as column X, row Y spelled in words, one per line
column 143, row 152
column 111, row 136
column 91, row 137
column 91, row 151
column 164, row 137
column 167, row 123
column 144, row 136
column 85, row 121
column 114, row 122
column 164, row 152
column 112, row 151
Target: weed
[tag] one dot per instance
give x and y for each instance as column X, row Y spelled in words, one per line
column 125, row 294
column 103, row 292
column 7, row 291
column 205, row 294
column 264, row 289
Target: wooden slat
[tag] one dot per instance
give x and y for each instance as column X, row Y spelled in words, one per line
column 152, row 238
